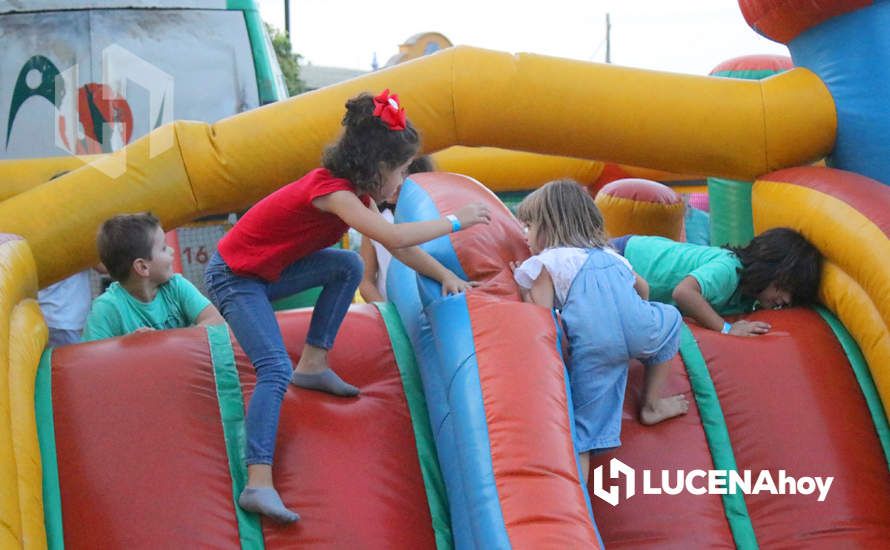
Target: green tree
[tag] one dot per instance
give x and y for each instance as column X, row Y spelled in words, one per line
column 287, row 59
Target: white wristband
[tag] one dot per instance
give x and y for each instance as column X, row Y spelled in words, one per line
column 455, row 223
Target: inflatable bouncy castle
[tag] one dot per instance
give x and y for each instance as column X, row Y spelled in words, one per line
column 462, row 436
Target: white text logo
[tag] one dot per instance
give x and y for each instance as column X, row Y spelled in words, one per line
column 701, row 482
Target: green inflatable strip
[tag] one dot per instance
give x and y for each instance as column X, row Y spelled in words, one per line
column 749, row 74
column 306, row 298
column 420, row 420
column 731, row 219
column 511, row 199
column 231, row 411
column 718, row 437
column 863, row 376
column 261, row 48
column 46, row 435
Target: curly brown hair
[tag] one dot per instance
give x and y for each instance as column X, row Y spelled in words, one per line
column 366, row 143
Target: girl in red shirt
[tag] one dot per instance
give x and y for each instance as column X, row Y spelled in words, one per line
column 280, row 247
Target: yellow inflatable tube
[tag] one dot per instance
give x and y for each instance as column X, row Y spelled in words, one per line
column 22, row 326
column 460, row 96
column 17, row 176
column 499, row 169
column 502, row 170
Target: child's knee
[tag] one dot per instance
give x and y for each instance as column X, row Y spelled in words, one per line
column 668, row 349
column 274, row 370
column 280, row 378
column 672, row 316
column 352, row 265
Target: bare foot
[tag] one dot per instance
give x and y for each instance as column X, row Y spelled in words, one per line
column 664, row 408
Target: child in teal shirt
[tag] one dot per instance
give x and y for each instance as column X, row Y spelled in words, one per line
column 146, row 294
column 777, row 269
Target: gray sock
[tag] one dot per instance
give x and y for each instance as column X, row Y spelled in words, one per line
column 265, row 501
column 326, row 381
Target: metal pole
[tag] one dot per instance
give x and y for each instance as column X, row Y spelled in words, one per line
column 608, row 40
column 287, row 17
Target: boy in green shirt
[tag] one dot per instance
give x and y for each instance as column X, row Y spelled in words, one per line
column 777, row 269
column 146, row 294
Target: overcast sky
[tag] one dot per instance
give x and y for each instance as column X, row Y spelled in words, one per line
column 687, row 36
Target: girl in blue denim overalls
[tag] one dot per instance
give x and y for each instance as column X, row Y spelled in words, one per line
column 607, row 322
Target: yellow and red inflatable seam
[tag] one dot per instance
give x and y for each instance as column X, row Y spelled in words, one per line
column 847, row 217
column 844, row 233
column 841, row 294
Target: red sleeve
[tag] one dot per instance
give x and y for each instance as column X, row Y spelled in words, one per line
column 320, row 182
column 326, row 186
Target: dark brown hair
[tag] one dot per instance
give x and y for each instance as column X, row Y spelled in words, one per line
column 783, row 256
column 124, row 239
column 423, row 163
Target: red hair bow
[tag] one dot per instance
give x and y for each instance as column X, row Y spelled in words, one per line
column 387, row 109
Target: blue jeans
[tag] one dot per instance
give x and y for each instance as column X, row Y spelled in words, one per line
column 246, row 304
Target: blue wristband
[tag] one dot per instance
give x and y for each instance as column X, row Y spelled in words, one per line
column 455, row 223
column 726, row 328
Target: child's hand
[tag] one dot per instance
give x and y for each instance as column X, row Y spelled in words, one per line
column 473, row 213
column 514, row 265
column 452, row 284
column 749, row 328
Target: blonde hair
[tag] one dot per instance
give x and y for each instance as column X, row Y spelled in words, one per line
column 565, row 215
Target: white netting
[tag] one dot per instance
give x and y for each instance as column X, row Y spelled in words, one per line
column 197, row 243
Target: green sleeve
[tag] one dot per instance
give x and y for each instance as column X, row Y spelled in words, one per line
column 104, row 321
column 190, row 299
column 718, row 279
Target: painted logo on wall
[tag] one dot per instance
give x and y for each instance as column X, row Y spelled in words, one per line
column 95, row 118
column 104, row 120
